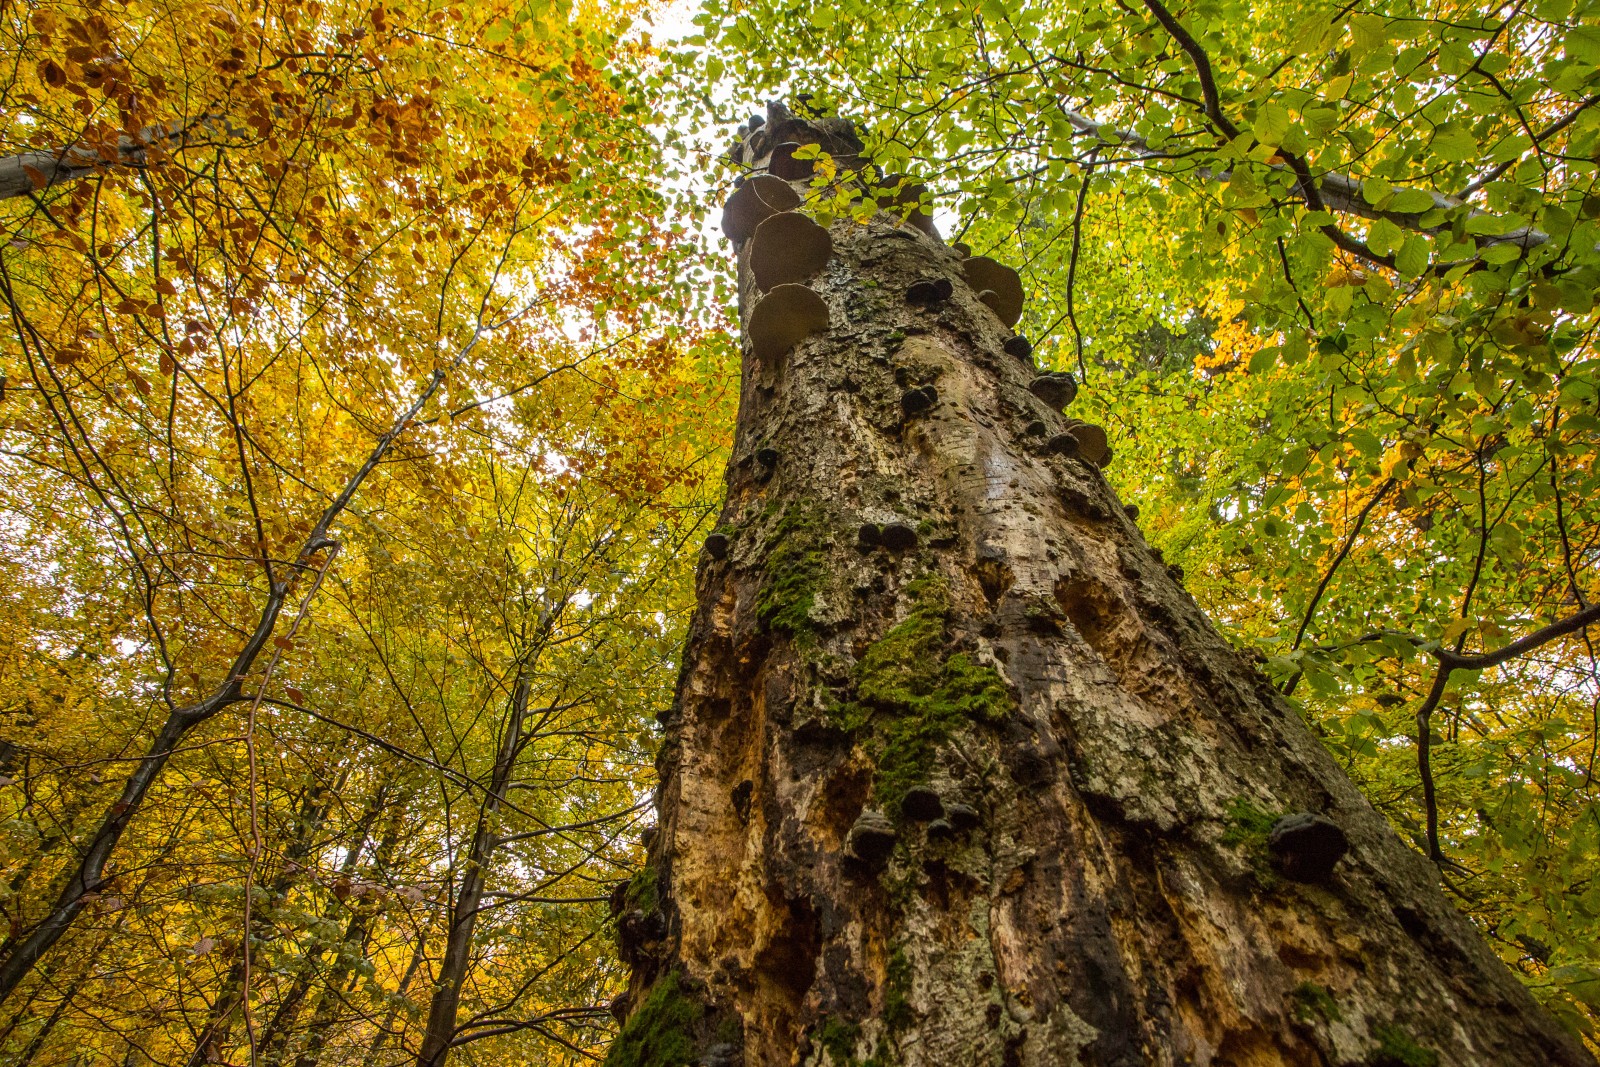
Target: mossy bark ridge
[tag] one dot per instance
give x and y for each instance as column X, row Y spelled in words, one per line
column 1104, row 886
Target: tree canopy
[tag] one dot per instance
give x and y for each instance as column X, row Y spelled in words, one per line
column 368, row 382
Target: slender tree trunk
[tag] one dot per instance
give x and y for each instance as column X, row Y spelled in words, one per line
column 958, row 773
column 275, row 1035
column 417, row 956
column 441, row 1030
column 308, row 823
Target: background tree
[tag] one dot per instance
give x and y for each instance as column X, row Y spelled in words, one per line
column 329, row 263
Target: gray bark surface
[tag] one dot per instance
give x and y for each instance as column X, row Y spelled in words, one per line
column 1117, row 901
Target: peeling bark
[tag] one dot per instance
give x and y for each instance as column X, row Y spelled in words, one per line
column 925, row 605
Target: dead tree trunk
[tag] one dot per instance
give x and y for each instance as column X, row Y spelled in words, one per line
column 957, row 772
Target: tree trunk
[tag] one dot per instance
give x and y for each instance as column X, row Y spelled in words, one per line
column 441, row 1028
column 959, row 774
column 308, row 822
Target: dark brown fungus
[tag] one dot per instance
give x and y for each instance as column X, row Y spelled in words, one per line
column 786, row 166
column 929, row 291
column 1091, row 440
column 787, row 315
column 921, row 803
column 1056, row 388
column 788, row 247
column 868, row 536
column 916, row 401
column 871, row 839
column 1020, row 347
column 717, row 546
column 1062, row 444
column 963, row 249
column 983, row 274
column 963, row 817
column 1306, row 847
column 897, row 537
column 753, row 202
column 1131, row 510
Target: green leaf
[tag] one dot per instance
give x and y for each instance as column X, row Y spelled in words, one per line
column 1412, row 258
column 1410, row 201
column 1383, row 237
column 1455, row 145
column 1272, row 123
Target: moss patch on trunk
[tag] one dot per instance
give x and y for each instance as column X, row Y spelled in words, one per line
column 794, row 572
column 661, row 1033
column 915, row 694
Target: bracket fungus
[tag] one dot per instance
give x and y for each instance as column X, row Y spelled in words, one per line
column 1056, row 388
column 788, row 247
column 963, row 817
column 897, row 537
column 787, row 315
column 1062, row 444
column 717, row 546
column 921, row 804
column 1306, row 847
column 753, row 203
column 786, row 166
column 986, row 275
column 871, row 839
column 1020, row 347
column 1091, row 439
column 929, row 291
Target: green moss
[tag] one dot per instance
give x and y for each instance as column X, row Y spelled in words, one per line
column 838, row 1038
column 794, row 573
column 1312, row 1001
column 641, row 892
column 1397, row 1049
column 661, row 1032
column 915, row 696
column 1248, row 826
column 897, row 1012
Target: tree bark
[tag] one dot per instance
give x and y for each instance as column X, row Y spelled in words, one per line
column 1104, row 885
